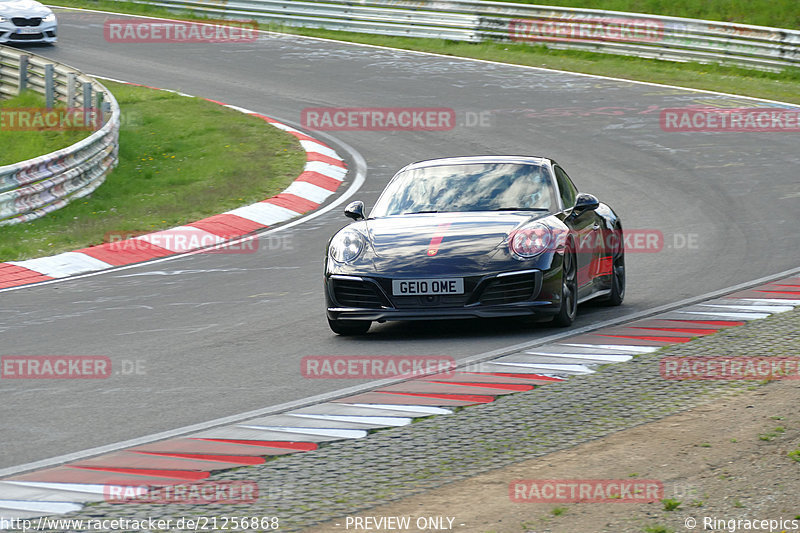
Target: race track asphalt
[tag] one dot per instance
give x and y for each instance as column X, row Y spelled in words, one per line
column 215, row 335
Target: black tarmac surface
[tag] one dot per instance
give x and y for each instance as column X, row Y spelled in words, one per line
column 216, row 335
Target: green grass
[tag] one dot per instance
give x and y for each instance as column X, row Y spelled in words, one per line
column 778, row 13
column 658, row 528
column 181, row 159
column 775, row 13
column 16, row 145
column 671, row 504
column 772, row 434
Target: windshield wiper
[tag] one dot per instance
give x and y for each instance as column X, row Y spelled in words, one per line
column 419, row 212
column 520, row 209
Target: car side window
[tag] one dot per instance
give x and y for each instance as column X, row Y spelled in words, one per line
column 566, row 188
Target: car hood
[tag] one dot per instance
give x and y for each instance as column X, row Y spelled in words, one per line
column 442, row 242
column 23, row 8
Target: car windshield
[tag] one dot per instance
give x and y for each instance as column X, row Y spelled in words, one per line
column 467, row 187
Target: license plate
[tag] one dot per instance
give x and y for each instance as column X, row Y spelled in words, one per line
column 28, row 31
column 427, row 287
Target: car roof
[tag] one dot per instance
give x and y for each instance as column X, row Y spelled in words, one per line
column 467, row 160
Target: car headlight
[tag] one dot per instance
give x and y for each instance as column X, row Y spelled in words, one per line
column 3, row 19
column 530, row 240
column 346, row 245
column 50, row 18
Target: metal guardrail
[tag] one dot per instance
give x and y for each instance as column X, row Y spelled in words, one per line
column 659, row 37
column 30, row 189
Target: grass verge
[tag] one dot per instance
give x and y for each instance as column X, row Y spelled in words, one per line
column 16, row 145
column 180, row 159
column 776, row 13
column 783, row 86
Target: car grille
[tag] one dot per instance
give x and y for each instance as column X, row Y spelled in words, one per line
column 21, row 21
column 416, row 302
column 354, row 293
column 508, row 289
column 26, row 37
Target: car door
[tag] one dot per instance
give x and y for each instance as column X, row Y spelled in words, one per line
column 586, row 233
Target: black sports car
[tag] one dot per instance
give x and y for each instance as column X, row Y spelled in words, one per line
column 485, row 236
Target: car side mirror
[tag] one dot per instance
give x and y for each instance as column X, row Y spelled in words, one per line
column 355, row 210
column 585, row 202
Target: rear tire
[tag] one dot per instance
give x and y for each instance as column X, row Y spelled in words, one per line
column 617, row 273
column 349, row 327
column 569, row 289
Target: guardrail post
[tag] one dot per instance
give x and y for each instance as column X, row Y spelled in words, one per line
column 71, row 172
column 49, row 86
column 87, row 102
column 23, row 74
column 98, row 110
column 70, row 89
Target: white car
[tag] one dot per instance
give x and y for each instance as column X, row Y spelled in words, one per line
column 26, row 21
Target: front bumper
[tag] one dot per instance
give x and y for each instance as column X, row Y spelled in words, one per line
column 501, row 294
column 44, row 32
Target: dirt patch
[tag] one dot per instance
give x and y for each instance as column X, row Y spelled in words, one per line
column 727, row 460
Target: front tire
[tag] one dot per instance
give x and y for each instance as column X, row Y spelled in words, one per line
column 349, row 327
column 569, row 289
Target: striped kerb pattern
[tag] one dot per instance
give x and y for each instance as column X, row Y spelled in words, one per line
column 195, row 456
column 324, row 172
